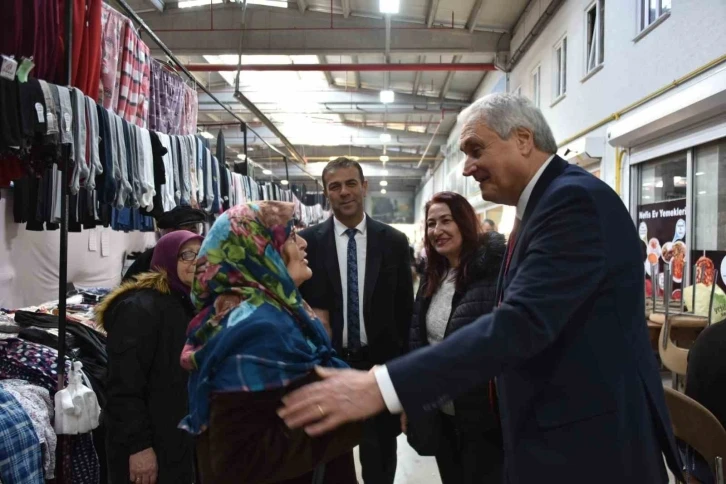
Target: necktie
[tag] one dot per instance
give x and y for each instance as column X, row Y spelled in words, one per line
column 510, row 251
column 353, row 302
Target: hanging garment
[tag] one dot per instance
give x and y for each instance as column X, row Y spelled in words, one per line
column 134, row 78
column 80, row 168
column 112, row 30
column 189, row 116
column 167, row 189
column 159, row 175
column 37, row 405
column 166, row 100
column 21, row 461
column 216, row 186
column 88, row 70
column 96, row 168
column 119, row 140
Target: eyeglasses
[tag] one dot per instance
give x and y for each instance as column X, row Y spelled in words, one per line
column 188, row 255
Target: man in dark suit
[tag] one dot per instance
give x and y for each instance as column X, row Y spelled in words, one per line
column 362, row 287
column 580, row 396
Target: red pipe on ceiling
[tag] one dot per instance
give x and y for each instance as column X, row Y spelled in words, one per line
column 342, row 67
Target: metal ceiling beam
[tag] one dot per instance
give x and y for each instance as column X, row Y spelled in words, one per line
column 328, row 76
column 538, row 27
column 342, row 136
column 474, row 15
column 288, row 31
column 346, row 8
column 302, row 5
column 365, row 98
column 324, row 67
column 388, row 37
column 356, row 74
column 431, row 15
column 157, row 4
column 447, row 82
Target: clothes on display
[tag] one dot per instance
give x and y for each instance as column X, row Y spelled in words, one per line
column 29, row 354
column 20, row 451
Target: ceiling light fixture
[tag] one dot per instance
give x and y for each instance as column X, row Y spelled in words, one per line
column 250, row 148
column 267, row 172
column 385, row 172
column 387, row 96
column 384, row 158
column 242, row 157
column 389, row 6
column 207, row 134
column 383, row 191
column 385, row 137
column 384, row 183
column 284, row 182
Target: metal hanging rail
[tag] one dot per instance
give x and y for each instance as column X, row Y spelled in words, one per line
column 142, row 25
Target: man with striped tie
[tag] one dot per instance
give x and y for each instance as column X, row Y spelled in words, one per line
column 580, row 397
column 362, row 288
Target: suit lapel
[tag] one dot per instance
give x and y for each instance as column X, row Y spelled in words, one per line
column 327, row 238
column 555, row 169
column 374, row 249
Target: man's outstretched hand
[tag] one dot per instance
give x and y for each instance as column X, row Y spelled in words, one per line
column 342, row 396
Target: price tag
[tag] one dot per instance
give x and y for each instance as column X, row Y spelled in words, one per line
column 41, row 112
column 9, row 66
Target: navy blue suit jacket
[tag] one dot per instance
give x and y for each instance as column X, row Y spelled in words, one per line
column 580, row 397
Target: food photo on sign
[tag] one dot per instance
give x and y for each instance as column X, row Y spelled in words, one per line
column 710, row 278
column 662, row 228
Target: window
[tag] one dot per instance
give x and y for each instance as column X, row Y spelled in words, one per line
column 651, row 10
column 595, row 48
column 536, row 78
column 664, row 180
column 561, row 68
column 709, row 196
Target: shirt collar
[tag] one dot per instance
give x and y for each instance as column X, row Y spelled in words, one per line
column 527, row 192
column 340, row 227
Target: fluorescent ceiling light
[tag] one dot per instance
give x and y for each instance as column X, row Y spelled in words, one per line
column 284, row 182
column 389, row 6
column 249, row 148
column 383, row 191
column 207, row 134
column 266, row 172
column 703, row 192
column 387, row 97
column 699, row 173
column 385, row 172
column 384, row 158
column 659, row 184
column 385, row 137
column 242, row 157
column 384, row 183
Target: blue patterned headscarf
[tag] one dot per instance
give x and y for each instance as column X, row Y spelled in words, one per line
column 254, row 332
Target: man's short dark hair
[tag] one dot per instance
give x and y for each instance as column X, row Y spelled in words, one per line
column 341, row 162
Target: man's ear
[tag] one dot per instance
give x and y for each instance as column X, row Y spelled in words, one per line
column 525, row 140
column 365, row 187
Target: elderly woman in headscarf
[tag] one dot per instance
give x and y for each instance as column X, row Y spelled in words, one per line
column 254, row 340
column 146, row 321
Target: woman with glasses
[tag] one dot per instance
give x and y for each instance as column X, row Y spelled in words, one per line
column 146, row 321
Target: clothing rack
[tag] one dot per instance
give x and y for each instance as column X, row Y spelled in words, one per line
column 65, row 163
column 142, row 26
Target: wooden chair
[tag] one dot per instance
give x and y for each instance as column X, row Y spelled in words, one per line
column 672, row 357
column 695, row 425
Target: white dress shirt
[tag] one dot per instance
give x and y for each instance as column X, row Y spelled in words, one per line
column 385, row 385
column 341, row 244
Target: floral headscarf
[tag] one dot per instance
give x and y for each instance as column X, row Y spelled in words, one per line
column 254, row 332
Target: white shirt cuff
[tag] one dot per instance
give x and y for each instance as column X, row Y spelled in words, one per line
column 385, row 385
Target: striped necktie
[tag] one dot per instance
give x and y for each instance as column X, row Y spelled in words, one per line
column 353, row 298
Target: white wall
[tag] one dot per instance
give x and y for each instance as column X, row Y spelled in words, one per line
column 29, row 260
column 694, row 34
